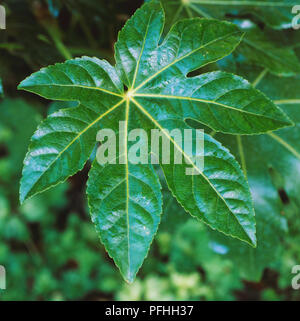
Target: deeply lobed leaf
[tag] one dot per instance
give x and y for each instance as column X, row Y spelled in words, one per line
column 125, row 199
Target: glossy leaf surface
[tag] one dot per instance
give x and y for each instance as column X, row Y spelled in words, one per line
column 124, row 198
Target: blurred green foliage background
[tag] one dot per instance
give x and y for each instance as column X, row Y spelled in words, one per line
column 49, row 246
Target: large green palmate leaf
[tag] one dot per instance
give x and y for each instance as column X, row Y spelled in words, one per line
column 257, row 46
column 269, row 175
column 284, row 142
column 260, row 50
column 125, row 198
column 276, row 14
column 285, row 92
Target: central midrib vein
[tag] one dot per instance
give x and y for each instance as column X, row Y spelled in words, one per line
column 127, row 182
column 199, row 100
column 81, row 86
column 141, row 53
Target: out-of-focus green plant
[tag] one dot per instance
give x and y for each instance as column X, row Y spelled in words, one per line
column 48, row 245
column 124, row 198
